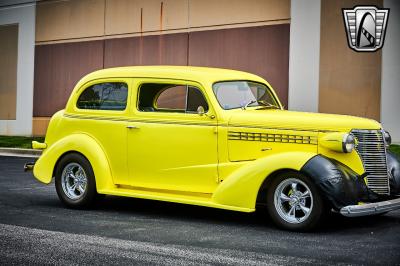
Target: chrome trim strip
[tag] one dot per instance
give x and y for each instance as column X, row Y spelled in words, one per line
column 121, row 119
column 279, row 128
column 271, row 137
column 370, row 208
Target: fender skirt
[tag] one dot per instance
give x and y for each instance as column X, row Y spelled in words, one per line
column 393, row 165
column 339, row 185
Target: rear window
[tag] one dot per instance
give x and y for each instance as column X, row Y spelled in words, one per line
column 104, row 96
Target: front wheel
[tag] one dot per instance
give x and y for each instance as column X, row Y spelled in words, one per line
column 294, row 202
column 75, row 181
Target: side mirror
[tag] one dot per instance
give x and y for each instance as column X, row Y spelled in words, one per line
column 201, row 111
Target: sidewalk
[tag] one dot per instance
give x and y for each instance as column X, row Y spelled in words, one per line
column 20, row 152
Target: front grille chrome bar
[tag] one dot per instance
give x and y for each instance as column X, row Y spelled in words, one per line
column 371, row 148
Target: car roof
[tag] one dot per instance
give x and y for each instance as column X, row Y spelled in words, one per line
column 201, row 74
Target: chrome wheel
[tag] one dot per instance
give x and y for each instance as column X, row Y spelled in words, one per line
column 74, row 181
column 293, row 200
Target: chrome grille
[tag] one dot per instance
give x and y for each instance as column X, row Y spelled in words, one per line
column 371, row 148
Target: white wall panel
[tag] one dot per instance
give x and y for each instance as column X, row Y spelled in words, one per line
column 24, row 16
column 390, row 92
column 304, row 55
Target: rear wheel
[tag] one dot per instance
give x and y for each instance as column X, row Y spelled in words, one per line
column 294, row 203
column 75, row 181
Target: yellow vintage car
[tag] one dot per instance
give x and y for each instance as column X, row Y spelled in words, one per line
column 217, row 138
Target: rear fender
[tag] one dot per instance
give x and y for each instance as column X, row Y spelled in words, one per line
column 241, row 188
column 81, row 143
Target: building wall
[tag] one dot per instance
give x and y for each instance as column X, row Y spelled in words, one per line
column 8, row 71
column 16, row 82
column 390, row 93
column 349, row 81
column 71, row 38
column 74, row 38
column 343, row 81
column 304, row 55
column 57, row 69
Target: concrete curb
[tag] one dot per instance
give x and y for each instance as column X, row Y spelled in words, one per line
column 20, row 152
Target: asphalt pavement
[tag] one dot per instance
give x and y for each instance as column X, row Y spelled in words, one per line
column 35, row 228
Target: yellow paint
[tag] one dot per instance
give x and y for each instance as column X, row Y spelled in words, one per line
column 38, row 145
column 188, row 158
column 332, row 141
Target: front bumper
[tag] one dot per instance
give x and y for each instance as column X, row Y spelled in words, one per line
column 370, row 208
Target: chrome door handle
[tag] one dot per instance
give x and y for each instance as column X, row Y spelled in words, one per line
column 131, row 127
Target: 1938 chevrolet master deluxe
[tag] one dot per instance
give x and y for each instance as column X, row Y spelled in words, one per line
column 217, row 138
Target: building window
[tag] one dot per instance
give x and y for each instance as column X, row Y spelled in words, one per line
column 104, row 96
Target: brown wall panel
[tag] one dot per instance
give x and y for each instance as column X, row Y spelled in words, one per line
column 130, row 16
column 56, row 20
column 168, row 49
column 57, row 69
column 260, row 50
column 224, row 12
column 350, row 81
column 39, row 125
column 8, row 71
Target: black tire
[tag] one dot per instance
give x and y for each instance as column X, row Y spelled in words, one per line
column 85, row 199
column 277, row 207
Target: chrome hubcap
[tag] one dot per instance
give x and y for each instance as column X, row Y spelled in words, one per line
column 293, row 200
column 74, row 181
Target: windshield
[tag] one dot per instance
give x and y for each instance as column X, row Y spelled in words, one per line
column 240, row 94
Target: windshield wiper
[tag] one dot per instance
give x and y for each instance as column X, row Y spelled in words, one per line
column 267, row 104
column 261, row 102
column 247, row 104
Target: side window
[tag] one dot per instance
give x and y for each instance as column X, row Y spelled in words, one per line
column 170, row 98
column 104, row 96
column 195, row 99
column 173, row 97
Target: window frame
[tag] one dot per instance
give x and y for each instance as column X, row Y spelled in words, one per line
column 174, row 83
column 127, row 80
column 253, row 81
column 100, row 83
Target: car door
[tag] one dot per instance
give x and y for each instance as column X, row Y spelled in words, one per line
column 103, row 105
column 170, row 146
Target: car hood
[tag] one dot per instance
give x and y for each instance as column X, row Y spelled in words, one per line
column 283, row 119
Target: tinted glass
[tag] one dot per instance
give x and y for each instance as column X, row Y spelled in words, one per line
column 195, row 99
column 104, row 96
column 236, row 94
column 154, row 97
column 173, row 97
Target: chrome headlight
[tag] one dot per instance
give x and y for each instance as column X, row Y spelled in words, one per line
column 348, row 143
column 388, row 138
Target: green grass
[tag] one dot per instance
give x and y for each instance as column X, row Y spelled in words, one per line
column 18, row 142
column 395, row 149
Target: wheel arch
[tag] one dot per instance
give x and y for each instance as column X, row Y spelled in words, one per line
column 83, row 144
column 262, row 192
column 241, row 188
column 62, row 156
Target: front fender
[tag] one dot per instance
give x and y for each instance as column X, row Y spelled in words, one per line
column 241, row 188
column 338, row 184
column 394, row 173
column 82, row 143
